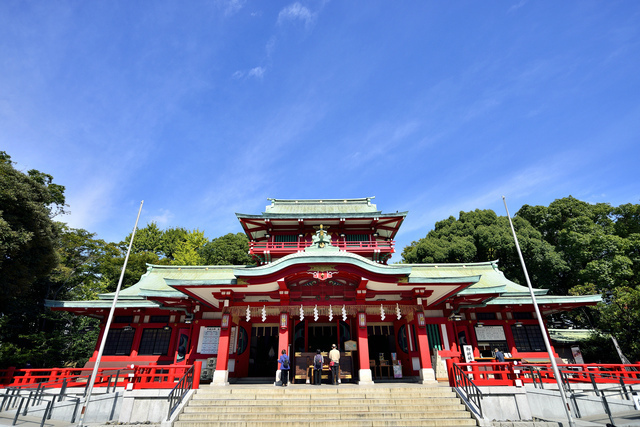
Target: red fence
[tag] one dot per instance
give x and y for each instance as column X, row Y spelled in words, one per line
column 286, row 247
column 131, row 376
column 507, row 373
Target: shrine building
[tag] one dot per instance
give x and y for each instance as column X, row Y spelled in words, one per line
column 322, row 278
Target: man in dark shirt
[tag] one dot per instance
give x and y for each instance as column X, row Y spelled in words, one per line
column 499, row 355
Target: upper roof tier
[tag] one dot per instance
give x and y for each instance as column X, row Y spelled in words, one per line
column 321, row 206
column 303, row 216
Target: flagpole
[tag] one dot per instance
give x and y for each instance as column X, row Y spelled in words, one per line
column 108, row 324
column 556, row 373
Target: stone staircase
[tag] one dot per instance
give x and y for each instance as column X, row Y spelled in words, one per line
column 344, row 405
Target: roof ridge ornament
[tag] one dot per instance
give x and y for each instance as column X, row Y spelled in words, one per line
column 321, row 240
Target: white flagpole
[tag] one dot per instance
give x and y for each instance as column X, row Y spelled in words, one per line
column 556, row 373
column 108, row 324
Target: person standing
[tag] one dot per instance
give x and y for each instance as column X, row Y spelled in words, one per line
column 499, row 355
column 284, row 368
column 334, row 362
column 318, row 361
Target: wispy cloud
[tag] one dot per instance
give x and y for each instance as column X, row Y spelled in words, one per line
column 163, row 218
column 296, row 12
column 230, row 7
column 257, row 72
column 517, row 6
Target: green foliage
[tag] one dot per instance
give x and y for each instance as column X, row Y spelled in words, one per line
column 570, row 247
column 27, row 232
column 481, row 235
column 187, row 252
column 230, row 249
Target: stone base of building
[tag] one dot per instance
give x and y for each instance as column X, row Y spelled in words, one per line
column 220, row 378
column 427, row 376
column 364, row 376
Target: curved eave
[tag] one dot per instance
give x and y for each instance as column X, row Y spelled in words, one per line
column 324, row 258
column 183, row 282
column 548, row 299
column 100, row 304
column 486, row 290
column 458, row 279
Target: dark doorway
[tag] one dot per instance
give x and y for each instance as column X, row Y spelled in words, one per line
column 263, row 351
column 321, row 336
column 381, row 342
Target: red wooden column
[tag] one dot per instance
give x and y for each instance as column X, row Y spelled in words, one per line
column 364, row 375
column 221, row 374
column 426, row 370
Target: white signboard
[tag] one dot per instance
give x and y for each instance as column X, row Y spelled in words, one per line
column 577, row 355
column 468, row 353
column 208, row 340
column 490, row 333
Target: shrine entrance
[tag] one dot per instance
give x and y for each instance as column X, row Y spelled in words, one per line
column 321, row 336
column 263, row 351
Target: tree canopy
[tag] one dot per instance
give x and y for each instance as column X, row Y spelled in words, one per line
column 28, row 203
column 570, row 247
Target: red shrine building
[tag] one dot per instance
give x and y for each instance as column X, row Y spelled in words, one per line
column 321, row 278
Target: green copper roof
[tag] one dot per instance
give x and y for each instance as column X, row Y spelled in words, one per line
column 570, row 335
column 315, row 206
column 326, row 256
column 545, row 299
column 491, row 280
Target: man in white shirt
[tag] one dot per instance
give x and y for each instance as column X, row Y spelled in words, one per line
column 334, row 357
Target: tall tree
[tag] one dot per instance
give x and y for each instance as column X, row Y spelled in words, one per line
column 28, row 203
column 571, row 247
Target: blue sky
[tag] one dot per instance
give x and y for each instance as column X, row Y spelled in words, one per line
column 207, row 108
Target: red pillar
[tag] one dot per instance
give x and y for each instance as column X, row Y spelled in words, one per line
column 364, row 376
column 221, row 374
column 426, row 370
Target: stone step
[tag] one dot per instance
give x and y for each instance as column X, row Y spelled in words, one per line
column 322, row 402
column 244, row 394
column 387, row 408
column 312, row 406
column 285, row 415
column 334, row 423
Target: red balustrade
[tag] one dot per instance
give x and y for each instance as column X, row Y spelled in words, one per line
column 508, row 373
column 132, row 376
column 290, row 247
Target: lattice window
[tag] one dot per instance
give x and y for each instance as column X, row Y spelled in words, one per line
column 155, row 341
column 119, row 342
column 287, row 238
column 528, row 338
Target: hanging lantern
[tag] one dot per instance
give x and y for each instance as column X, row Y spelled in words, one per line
column 421, row 321
column 315, row 313
column 382, row 316
column 362, row 320
column 264, row 313
column 225, row 321
column 284, row 321
column 330, row 313
column 248, row 314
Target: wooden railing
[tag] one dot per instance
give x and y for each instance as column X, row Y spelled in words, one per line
column 131, row 376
